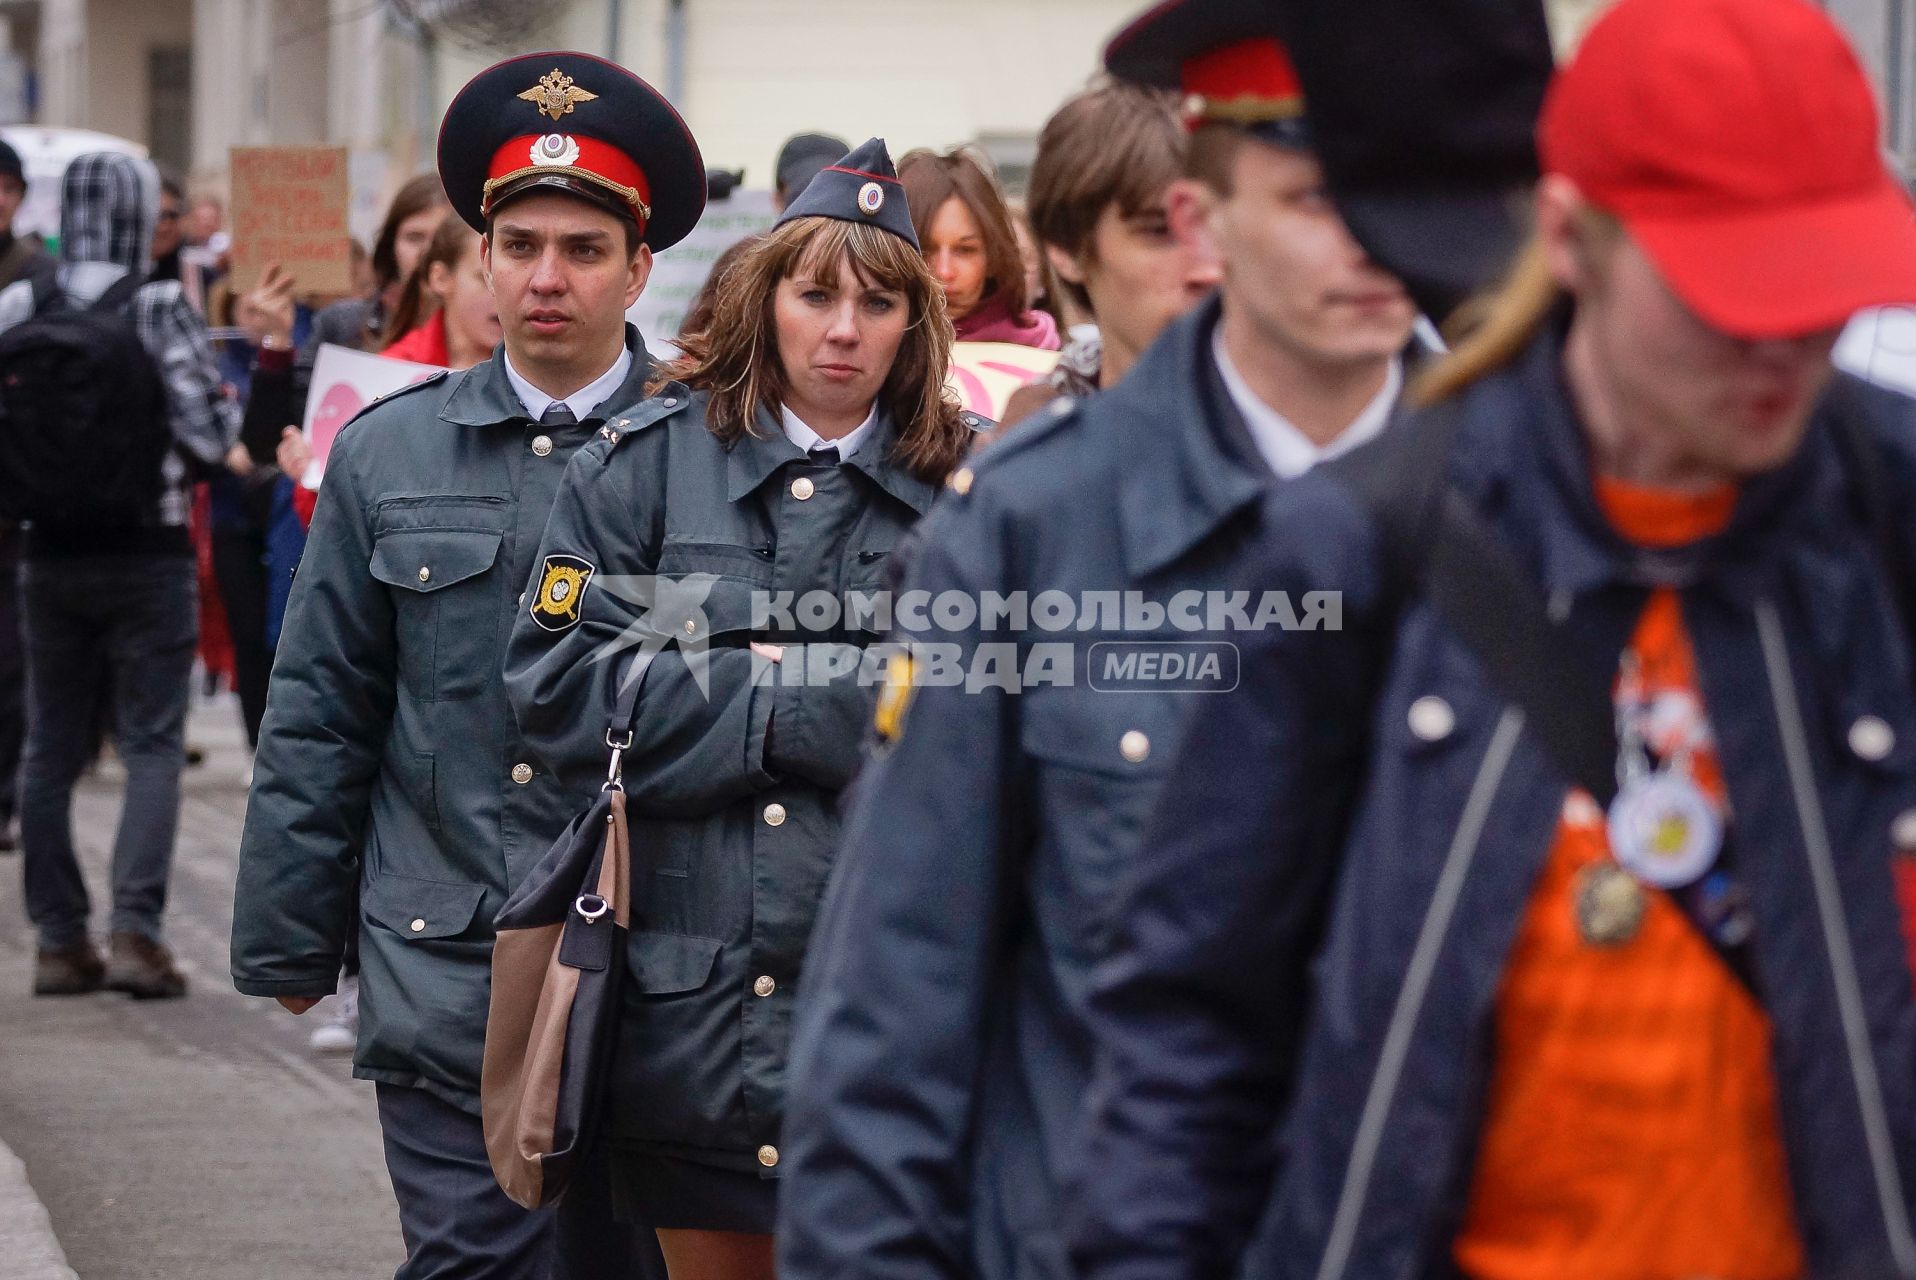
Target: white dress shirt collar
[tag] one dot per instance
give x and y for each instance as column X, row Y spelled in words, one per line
column 807, row 439
column 1287, row 450
column 583, row 401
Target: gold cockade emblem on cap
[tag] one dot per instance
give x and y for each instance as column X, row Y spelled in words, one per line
column 556, row 94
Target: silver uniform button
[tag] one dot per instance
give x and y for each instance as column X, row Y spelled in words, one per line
column 1903, row 830
column 425, row 574
column 522, row 773
column 768, row 1156
column 1431, row 718
column 1134, row 746
column 1871, row 737
column 774, row 815
column 670, row 402
column 764, row 986
column 803, row 488
column 419, row 926
column 542, row 445
column 691, row 626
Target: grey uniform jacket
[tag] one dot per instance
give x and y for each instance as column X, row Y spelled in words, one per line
column 388, row 753
column 734, row 769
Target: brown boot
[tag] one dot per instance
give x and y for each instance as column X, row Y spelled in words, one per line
column 143, row 969
column 67, row 971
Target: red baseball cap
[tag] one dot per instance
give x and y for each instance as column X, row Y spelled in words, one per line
column 1737, row 141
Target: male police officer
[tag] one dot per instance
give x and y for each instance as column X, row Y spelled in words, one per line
column 941, row 1057
column 389, row 754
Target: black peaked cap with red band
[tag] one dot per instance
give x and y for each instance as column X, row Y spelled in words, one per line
column 1422, row 112
column 1224, row 59
column 862, row 187
column 572, row 123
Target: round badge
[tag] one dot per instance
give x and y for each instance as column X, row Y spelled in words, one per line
column 1664, row 829
column 871, row 198
column 560, row 590
column 555, row 149
column 1609, row 905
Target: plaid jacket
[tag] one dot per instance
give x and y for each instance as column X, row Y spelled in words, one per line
column 108, row 205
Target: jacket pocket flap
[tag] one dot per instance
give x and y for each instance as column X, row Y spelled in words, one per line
column 663, row 963
column 1125, row 736
column 428, row 559
column 415, row 908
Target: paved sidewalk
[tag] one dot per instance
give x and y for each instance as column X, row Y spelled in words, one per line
column 26, row 1235
column 194, row 1139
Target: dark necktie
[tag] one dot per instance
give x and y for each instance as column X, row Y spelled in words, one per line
column 558, row 414
column 826, row 455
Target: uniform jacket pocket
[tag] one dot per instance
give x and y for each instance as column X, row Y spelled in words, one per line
column 666, row 964
column 422, row 909
column 448, row 612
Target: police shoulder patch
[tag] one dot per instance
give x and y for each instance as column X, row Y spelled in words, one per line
column 894, row 699
column 562, row 583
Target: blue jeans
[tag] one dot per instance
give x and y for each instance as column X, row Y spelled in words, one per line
column 113, row 634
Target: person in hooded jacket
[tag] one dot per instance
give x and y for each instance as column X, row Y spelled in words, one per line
column 111, row 611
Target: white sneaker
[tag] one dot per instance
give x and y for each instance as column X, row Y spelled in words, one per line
column 339, row 1033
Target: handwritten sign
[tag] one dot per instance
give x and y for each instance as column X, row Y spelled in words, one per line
column 344, row 382
column 290, row 207
column 984, row 374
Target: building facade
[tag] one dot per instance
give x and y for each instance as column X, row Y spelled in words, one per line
column 191, row 78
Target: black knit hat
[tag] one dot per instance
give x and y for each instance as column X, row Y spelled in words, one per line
column 862, row 187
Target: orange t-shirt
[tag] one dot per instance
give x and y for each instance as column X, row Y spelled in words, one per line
column 1631, row 1129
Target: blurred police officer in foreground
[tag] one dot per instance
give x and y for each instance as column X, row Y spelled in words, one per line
column 388, row 753
column 1542, row 1038
column 940, row 1058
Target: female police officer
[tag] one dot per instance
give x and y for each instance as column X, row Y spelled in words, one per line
column 783, row 456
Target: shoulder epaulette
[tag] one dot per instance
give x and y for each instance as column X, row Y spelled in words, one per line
column 672, row 399
column 1042, row 425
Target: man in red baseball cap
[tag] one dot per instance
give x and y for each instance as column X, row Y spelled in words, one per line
column 1559, row 935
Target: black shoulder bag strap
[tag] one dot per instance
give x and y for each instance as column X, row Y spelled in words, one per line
column 1436, row 544
column 618, row 729
column 119, row 293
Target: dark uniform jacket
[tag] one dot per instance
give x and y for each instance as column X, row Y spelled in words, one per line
column 734, row 770
column 388, row 753
column 941, row 1057
column 1305, row 806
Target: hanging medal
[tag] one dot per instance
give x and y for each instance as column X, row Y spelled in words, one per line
column 1663, row 828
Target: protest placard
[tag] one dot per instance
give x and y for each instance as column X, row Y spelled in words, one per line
column 984, row 374
column 344, row 382
column 290, row 207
